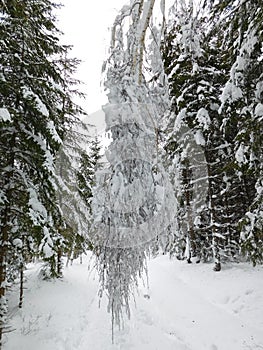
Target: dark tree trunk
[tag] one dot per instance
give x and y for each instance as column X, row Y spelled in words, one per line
column 215, row 239
column 3, row 258
column 188, row 193
column 21, row 293
column 59, row 263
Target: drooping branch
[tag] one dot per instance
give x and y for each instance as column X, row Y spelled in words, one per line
column 136, row 20
column 140, row 13
column 133, row 202
column 125, row 12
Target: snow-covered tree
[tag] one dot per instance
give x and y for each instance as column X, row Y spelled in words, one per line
column 76, row 168
column 35, row 109
column 89, row 164
column 213, row 64
column 75, row 213
column 241, row 109
column 193, row 140
column 133, row 202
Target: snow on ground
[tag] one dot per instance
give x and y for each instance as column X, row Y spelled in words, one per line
column 190, row 307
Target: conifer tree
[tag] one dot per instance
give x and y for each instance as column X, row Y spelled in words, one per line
column 35, row 108
column 76, row 196
column 226, row 124
column 76, row 216
column 242, row 111
column 89, row 164
column 190, row 54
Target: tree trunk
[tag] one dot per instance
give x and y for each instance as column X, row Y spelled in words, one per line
column 190, row 225
column 215, row 239
column 3, row 262
column 59, row 262
column 187, row 176
column 21, row 294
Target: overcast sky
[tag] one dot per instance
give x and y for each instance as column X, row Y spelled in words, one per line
column 86, row 24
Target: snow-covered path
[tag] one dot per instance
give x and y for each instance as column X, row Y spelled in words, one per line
column 189, row 307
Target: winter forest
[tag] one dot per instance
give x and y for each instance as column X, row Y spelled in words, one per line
column 156, row 240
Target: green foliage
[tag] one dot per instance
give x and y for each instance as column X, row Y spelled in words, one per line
column 215, row 67
column 36, row 106
column 89, row 164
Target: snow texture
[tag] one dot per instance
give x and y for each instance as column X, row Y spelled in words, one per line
column 28, row 93
column 203, row 118
column 259, row 110
column 135, row 204
column 199, row 138
column 17, row 242
column 240, row 154
column 46, row 245
column 53, row 132
column 5, row 115
column 188, row 307
column 37, row 211
column 231, row 92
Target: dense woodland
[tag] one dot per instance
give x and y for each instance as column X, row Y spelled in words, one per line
column 198, row 142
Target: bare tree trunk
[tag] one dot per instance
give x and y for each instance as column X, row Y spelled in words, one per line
column 190, row 225
column 70, row 257
column 59, row 262
column 21, row 294
column 187, row 176
column 5, row 229
column 3, row 258
column 215, row 239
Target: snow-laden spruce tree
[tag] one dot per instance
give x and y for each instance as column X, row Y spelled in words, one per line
column 216, row 87
column 76, row 166
column 242, row 110
column 73, row 203
column 133, row 202
column 194, row 145
column 36, row 109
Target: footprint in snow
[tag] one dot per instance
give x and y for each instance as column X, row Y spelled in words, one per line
column 238, row 309
column 213, row 347
column 249, row 291
column 226, row 300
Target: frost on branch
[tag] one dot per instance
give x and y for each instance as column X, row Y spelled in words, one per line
column 5, row 115
column 133, row 200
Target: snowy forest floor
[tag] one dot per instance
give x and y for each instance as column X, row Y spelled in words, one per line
column 190, row 307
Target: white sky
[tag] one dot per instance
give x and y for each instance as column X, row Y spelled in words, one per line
column 86, row 24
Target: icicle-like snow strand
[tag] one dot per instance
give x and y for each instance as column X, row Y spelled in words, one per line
column 133, row 200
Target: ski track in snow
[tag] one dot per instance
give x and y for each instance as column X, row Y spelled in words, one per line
column 188, row 307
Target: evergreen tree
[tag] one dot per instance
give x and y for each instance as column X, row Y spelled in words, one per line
column 194, row 143
column 36, row 107
column 89, row 164
column 76, row 196
column 202, row 59
column 242, row 112
column 76, row 216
